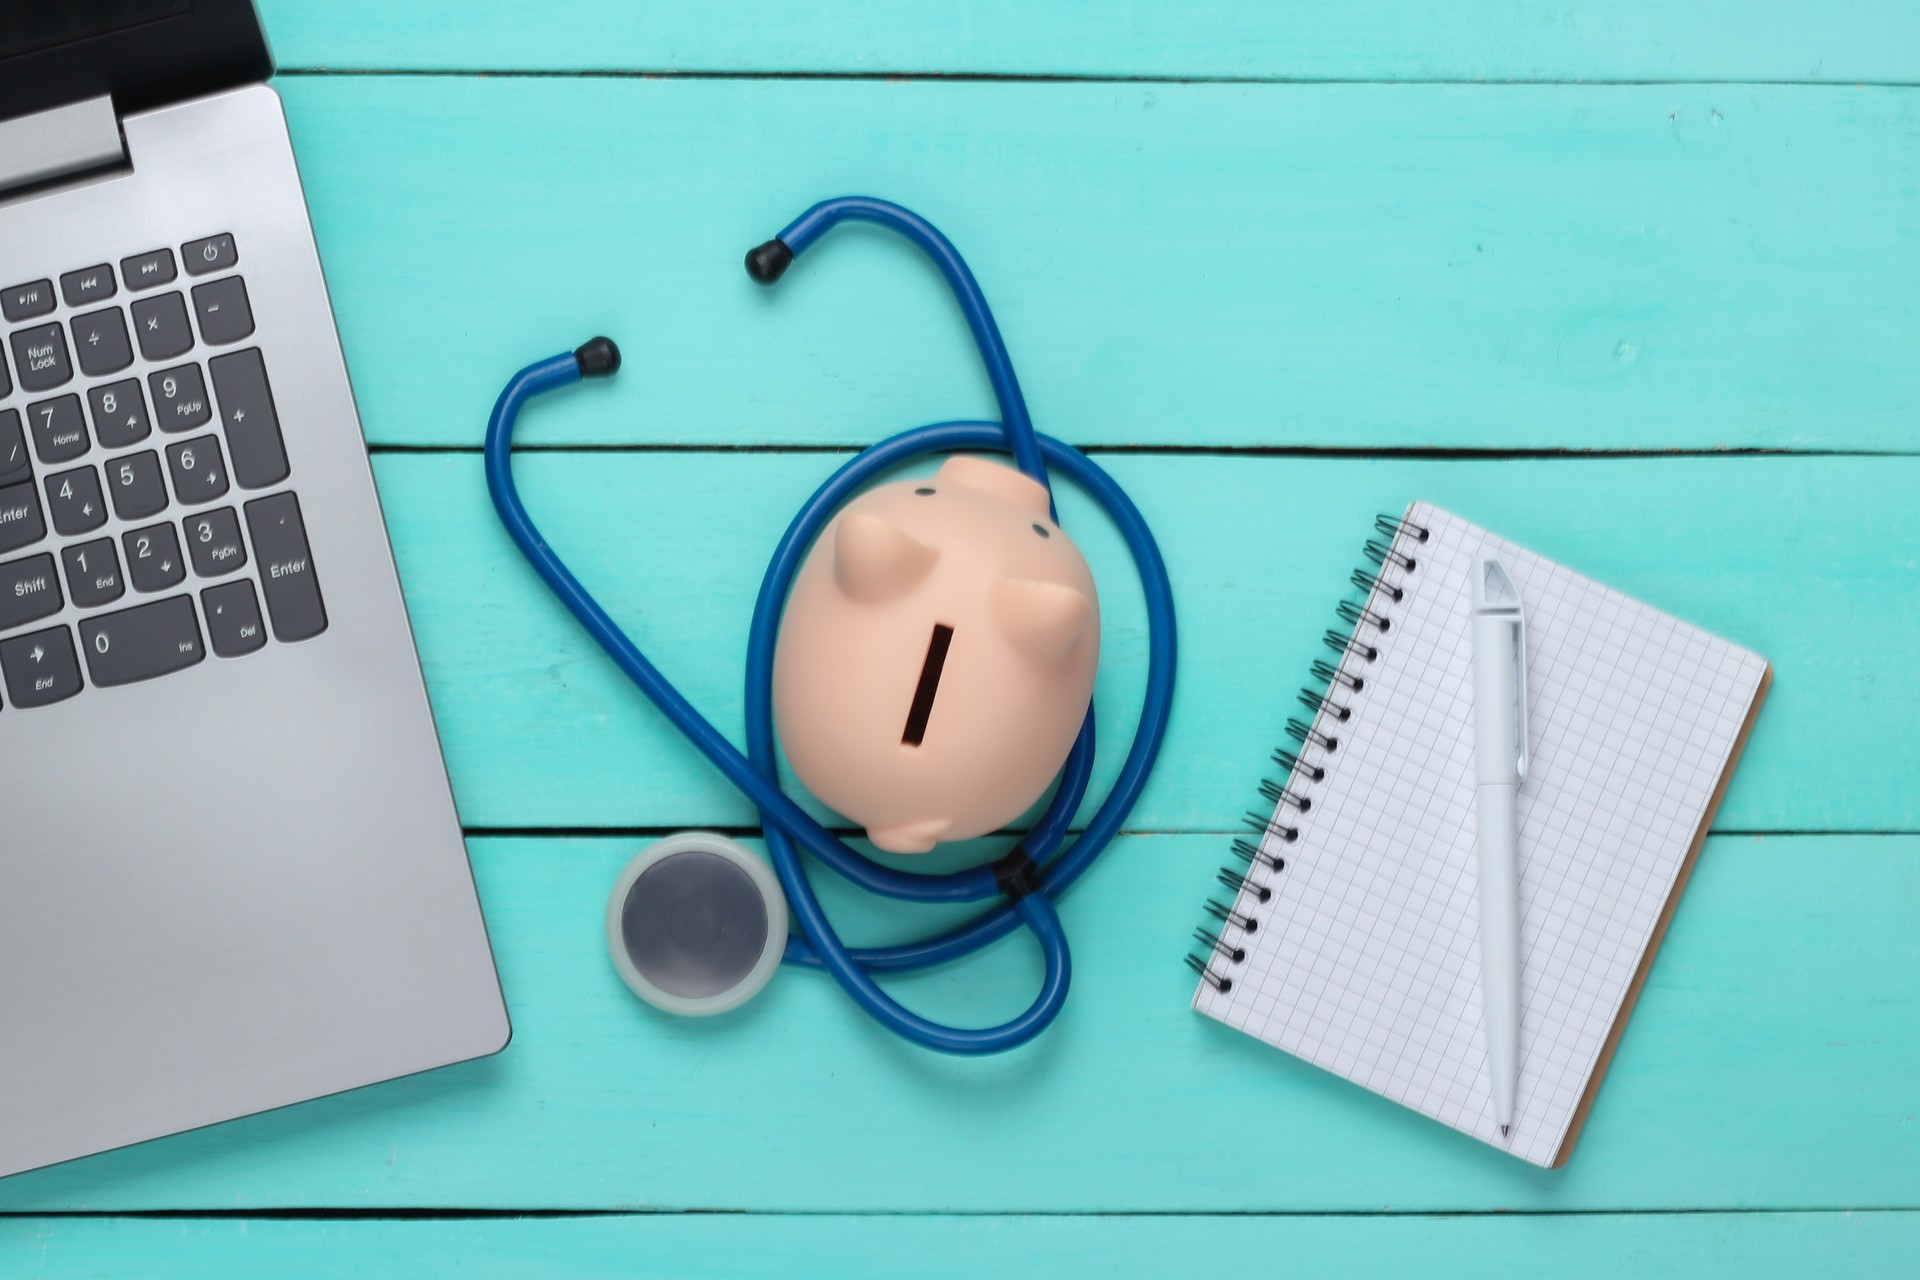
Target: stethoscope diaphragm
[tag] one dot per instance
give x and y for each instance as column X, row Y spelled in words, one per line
column 696, row 924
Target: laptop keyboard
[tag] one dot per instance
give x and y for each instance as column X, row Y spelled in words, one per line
column 187, row 455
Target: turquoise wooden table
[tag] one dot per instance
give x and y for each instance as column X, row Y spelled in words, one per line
column 1634, row 285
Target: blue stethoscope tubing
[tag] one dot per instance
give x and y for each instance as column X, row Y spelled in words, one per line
column 787, row 827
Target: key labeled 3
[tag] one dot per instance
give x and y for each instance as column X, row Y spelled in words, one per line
column 213, row 541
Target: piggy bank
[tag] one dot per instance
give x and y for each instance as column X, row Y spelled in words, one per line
column 937, row 656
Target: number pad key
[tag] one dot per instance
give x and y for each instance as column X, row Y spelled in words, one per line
column 40, row 668
column 93, row 573
column 74, row 502
column 119, row 413
column 161, row 324
column 140, row 643
column 20, row 521
column 15, row 466
column 233, row 619
column 59, row 432
column 246, row 413
column 214, row 545
column 40, row 357
column 224, row 314
column 138, row 491
column 199, row 472
column 100, row 342
column 286, row 567
column 153, row 557
column 179, row 397
column 29, row 591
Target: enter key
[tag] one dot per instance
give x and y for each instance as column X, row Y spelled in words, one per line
column 286, row 567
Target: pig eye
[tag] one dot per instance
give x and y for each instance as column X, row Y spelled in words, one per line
column 923, row 493
column 1042, row 531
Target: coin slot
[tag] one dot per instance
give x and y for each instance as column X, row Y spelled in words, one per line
column 929, row 685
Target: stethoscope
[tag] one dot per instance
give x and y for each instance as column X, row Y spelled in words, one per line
column 706, row 886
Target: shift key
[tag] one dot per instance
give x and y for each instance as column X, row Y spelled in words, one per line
column 255, row 450
column 286, row 567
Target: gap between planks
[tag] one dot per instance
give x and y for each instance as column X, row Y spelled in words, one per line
column 444, row 1214
column 1338, row 452
column 990, row 77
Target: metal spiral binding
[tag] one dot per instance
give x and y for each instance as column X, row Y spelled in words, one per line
column 1330, row 701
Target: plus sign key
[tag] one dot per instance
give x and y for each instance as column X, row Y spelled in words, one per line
column 254, row 444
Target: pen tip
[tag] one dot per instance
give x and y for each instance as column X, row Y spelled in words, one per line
column 1504, row 1128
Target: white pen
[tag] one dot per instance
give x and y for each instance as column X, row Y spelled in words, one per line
column 1500, row 749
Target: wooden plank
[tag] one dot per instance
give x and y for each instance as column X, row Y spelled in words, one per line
column 1805, row 560
column 1366, row 40
column 1747, row 1246
column 1769, row 1065
column 1354, row 266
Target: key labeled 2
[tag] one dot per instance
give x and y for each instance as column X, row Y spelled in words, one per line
column 154, row 562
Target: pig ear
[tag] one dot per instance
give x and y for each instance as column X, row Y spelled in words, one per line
column 1043, row 619
column 874, row 560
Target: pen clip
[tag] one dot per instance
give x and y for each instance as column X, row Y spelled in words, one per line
column 1520, row 693
column 1496, row 598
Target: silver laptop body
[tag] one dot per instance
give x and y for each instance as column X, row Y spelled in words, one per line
column 231, row 874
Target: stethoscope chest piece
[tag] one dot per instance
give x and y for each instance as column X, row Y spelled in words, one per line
column 696, row 924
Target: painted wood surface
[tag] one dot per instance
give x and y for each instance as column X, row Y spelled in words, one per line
column 1283, row 269
column 1707, row 1246
column 1807, row 561
column 1769, row 1065
column 1365, row 40
column 1313, row 266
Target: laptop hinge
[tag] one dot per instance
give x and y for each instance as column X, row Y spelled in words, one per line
column 49, row 145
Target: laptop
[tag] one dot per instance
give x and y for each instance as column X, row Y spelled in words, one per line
column 231, row 874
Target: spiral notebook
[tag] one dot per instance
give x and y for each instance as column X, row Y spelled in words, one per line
column 1351, row 938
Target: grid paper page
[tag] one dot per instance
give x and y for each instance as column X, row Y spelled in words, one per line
column 1366, row 961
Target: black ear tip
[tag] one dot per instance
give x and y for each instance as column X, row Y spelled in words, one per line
column 597, row 358
column 768, row 262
